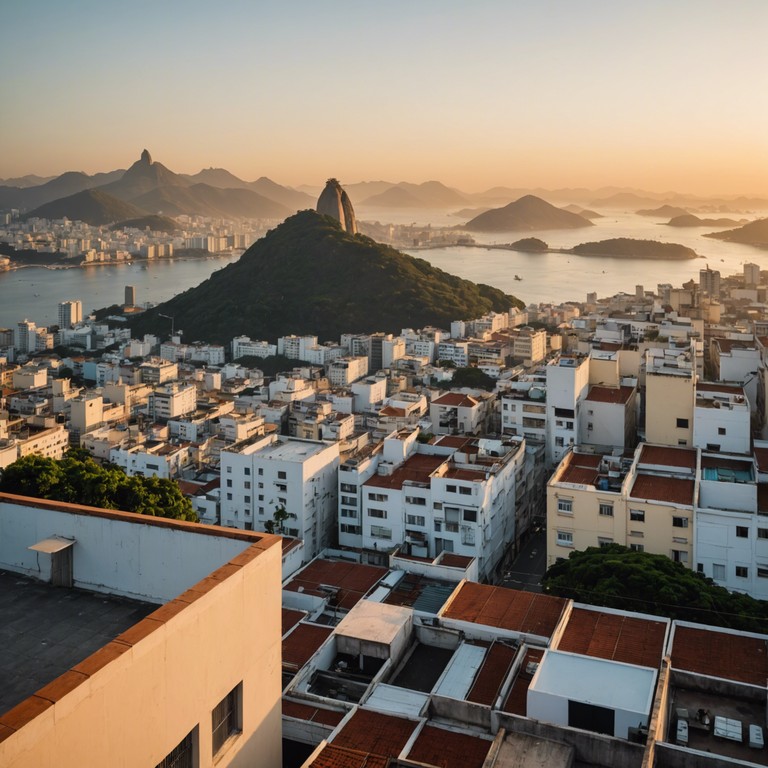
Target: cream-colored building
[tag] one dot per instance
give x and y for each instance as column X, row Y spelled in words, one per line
column 670, row 396
column 646, row 503
column 178, row 659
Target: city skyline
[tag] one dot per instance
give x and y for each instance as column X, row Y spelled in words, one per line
column 652, row 96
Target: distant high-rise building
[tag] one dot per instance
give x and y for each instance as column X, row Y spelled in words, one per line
column 751, row 275
column 639, row 292
column 130, row 295
column 709, row 281
column 70, row 313
column 335, row 202
column 26, row 336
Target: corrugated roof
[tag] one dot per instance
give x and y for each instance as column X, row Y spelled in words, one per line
column 720, row 654
column 672, row 490
column 291, row 618
column 632, row 640
column 373, row 732
column 510, row 609
column 490, row 678
column 449, row 749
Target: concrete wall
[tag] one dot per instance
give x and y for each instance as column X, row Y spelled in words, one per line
column 133, row 701
column 464, row 712
column 114, row 552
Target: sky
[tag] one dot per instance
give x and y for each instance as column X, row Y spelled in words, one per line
column 653, row 94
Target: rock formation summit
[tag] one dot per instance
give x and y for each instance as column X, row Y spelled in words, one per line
column 335, row 202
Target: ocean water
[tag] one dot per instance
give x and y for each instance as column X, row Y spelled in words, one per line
column 34, row 293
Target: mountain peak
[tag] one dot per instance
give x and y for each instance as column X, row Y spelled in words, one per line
column 146, row 157
column 335, row 202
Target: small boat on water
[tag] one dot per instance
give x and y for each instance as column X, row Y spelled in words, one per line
column 517, row 277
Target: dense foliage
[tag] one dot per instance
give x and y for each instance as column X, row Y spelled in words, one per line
column 470, row 377
column 78, row 479
column 629, row 247
column 617, row 577
column 308, row 276
column 530, row 245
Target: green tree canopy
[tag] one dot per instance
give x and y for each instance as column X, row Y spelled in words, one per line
column 470, row 377
column 617, row 577
column 78, row 479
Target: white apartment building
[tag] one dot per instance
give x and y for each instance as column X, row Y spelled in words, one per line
column 457, row 495
column 210, row 354
column 158, row 371
column 243, row 346
column 567, row 386
column 454, row 413
column 153, row 459
column 530, row 345
column 524, row 413
column 170, row 401
column 738, row 361
column 295, row 347
column 323, row 354
column 369, row 392
column 721, row 419
column 456, row 352
column 609, row 417
column 270, row 473
column 70, row 313
column 344, row 370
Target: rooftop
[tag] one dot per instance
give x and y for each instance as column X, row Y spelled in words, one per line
column 374, row 733
column 417, row 469
column 301, row 644
column 614, row 395
column 581, row 469
column 46, row 630
column 668, row 490
column 449, row 749
column 664, row 456
column 511, row 609
column 455, row 399
column 613, row 636
column 339, row 757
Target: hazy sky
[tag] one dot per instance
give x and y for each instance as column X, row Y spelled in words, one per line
column 658, row 94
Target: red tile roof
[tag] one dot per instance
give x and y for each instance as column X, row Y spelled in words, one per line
column 517, row 699
column 728, row 345
column 455, row 399
column 720, row 654
column 609, row 636
column 300, row 645
column 291, row 618
column 668, row 457
column 615, row 395
column 761, row 456
column 711, row 386
column 337, row 757
column 511, row 609
column 311, row 713
column 417, row 469
column 455, row 561
column 449, row 749
column 491, row 675
column 452, row 441
column 670, row 490
column 581, row 469
column 353, row 580
column 379, row 734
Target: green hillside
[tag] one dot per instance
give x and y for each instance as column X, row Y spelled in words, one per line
column 91, row 206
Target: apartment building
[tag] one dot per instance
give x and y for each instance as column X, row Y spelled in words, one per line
column 737, row 360
column 170, row 401
column 70, row 313
column 567, row 386
column 243, row 346
column 670, row 396
column 344, row 370
column 721, row 419
column 530, row 345
column 295, row 347
column 271, row 473
column 457, row 414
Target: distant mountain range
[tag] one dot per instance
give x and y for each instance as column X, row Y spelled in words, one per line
column 309, row 276
column 663, row 212
column 92, row 206
column 151, row 188
column 689, row 220
column 430, row 194
column 526, row 214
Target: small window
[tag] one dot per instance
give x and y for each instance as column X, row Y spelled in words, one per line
column 721, row 430
column 470, row 515
column 565, row 539
column 246, row 485
column 229, row 497
column 682, row 423
column 565, row 506
column 281, row 476
column 379, row 513
column 680, row 555
column 229, row 483
column 229, row 470
column 718, row 572
column 762, row 533
column 559, row 442
column 742, row 572
column 226, row 718
column 183, row 754
column 465, row 490
column 606, row 510
column 762, row 572
column 603, row 542
column 742, row 531
column 247, row 470
column 261, row 470
column 638, row 515
column 637, row 547
column 680, row 522
column 450, row 488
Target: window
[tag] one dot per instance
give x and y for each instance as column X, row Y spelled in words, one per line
column 418, row 500
column 247, row 470
column 438, row 525
column 226, row 718
column 742, row 531
column 247, row 499
column 261, row 497
column 637, row 534
column 680, row 522
column 261, row 470
column 246, row 485
column 606, row 510
column 721, row 430
column 637, row 547
column 718, row 572
column 559, row 442
column 349, row 500
column 437, row 505
column 377, row 496
column 565, row 506
column 565, row 539
column 229, row 483
column 742, row 571
column 349, row 513
column 682, row 423
column 762, row 572
column 638, row 515
column 346, row 528
column 229, row 470
column 470, row 515
column 183, row 754
column 348, row 488
column 465, row 490
column 415, row 520
column 380, row 532
column 450, row 488
column 679, row 555
column 229, row 497
column 281, row 475
column 762, row 533
column 604, row 542
column 379, row 513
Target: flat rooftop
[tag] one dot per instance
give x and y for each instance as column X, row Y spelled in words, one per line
column 449, row 749
column 417, row 469
column 294, row 450
column 664, row 456
column 669, row 490
column 375, row 733
column 46, row 630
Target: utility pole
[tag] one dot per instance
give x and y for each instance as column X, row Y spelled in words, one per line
column 167, row 317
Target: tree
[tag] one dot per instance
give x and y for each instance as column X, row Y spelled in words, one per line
column 617, row 577
column 275, row 525
column 77, row 478
column 470, row 377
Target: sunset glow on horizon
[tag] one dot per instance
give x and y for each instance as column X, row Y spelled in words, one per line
column 656, row 95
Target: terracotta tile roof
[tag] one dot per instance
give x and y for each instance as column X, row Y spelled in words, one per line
column 615, row 395
column 455, row 561
column 311, row 713
column 300, row 645
column 510, row 609
column 452, row 441
column 336, row 757
column 728, row 345
column 671, row 490
column 579, row 476
column 490, row 677
column 517, row 699
column 353, row 580
column 668, row 457
column 379, row 734
column 449, row 749
column 291, row 618
column 390, row 410
column 618, row 638
column 457, row 473
column 712, row 386
column 720, row 654
column 761, row 456
column 455, row 399
column 417, row 469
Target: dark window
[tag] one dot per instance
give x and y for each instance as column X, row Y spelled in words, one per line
column 637, row 514
column 590, row 717
column 721, row 430
column 226, row 718
column 682, row 423
column 680, row 522
column 742, row 571
column 742, row 531
column 281, row 475
column 182, row 755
